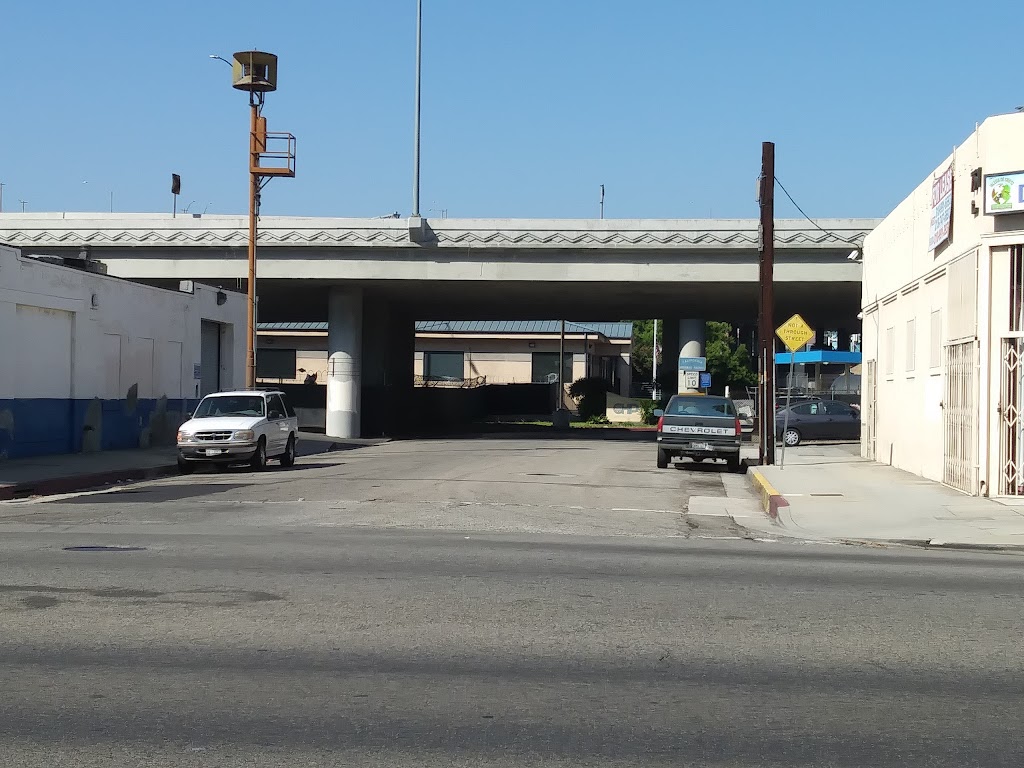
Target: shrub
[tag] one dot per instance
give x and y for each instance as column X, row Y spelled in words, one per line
column 647, row 408
column 590, row 396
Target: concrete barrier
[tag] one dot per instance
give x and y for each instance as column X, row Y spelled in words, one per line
column 623, row 410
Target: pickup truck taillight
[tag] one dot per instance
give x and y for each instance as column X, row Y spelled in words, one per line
column 739, row 427
column 661, row 422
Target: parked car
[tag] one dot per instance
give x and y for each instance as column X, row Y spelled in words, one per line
column 248, row 426
column 699, row 427
column 817, row 420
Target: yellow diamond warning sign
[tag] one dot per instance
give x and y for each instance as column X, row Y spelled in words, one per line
column 795, row 333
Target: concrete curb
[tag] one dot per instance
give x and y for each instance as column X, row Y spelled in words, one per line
column 54, row 485
column 771, row 499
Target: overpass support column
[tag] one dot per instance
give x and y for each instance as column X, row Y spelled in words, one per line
column 344, row 357
column 691, row 343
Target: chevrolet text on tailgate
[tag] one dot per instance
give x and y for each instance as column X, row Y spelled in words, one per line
column 699, row 427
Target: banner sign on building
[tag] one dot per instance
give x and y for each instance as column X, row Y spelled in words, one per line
column 1004, row 193
column 942, row 208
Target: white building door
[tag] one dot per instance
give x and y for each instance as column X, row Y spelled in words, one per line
column 209, row 356
column 959, row 415
column 1011, row 424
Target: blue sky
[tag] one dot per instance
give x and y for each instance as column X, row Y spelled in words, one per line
column 528, row 106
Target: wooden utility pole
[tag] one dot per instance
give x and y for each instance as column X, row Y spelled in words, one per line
column 766, row 307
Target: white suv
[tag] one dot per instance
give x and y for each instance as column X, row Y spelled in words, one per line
column 249, row 426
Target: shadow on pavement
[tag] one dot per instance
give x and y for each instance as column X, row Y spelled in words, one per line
column 539, row 433
column 709, row 467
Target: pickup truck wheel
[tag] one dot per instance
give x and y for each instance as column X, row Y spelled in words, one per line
column 288, row 457
column 186, row 467
column 734, row 464
column 662, row 459
column 259, row 459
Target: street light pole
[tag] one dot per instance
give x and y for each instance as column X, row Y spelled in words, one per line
column 654, row 361
column 416, row 123
column 254, row 192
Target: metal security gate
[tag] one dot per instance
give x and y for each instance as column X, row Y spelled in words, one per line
column 959, row 417
column 1011, row 425
column 868, row 398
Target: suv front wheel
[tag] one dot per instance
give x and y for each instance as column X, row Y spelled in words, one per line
column 288, row 457
column 259, row 459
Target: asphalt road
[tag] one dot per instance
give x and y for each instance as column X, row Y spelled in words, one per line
column 488, row 603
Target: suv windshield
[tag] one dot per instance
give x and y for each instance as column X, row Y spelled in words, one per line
column 230, row 405
column 711, row 407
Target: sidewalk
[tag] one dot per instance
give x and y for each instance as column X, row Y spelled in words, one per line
column 67, row 472
column 829, row 493
column 64, row 473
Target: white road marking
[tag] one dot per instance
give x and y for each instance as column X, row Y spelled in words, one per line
column 658, row 511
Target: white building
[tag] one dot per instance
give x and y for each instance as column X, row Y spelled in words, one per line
column 943, row 320
column 90, row 362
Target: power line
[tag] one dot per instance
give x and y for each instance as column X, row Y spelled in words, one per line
column 816, row 224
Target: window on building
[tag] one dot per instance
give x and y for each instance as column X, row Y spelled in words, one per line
column 890, row 351
column 444, row 366
column 911, row 345
column 610, row 372
column 935, row 350
column 545, row 368
column 275, row 363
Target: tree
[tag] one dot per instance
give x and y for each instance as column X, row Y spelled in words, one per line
column 728, row 361
column 643, row 349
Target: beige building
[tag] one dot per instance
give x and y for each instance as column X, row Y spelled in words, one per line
column 943, row 320
column 461, row 353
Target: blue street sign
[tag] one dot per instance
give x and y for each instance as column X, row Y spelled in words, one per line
column 705, row 380
column 693, row 363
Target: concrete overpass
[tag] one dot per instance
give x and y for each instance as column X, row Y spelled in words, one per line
column 371, row 278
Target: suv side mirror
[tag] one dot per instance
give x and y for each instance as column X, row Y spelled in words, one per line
column 659, row 412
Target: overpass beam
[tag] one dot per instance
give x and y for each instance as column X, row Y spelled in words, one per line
column 344, row 359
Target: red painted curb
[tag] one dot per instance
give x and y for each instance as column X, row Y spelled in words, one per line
column 54, row 485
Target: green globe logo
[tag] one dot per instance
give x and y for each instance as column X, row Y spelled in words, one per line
column 1001, row 193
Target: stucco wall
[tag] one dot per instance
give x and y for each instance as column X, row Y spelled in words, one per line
column 96, row 363
column 917, row 301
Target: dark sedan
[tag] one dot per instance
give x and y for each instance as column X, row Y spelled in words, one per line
column 817, row 420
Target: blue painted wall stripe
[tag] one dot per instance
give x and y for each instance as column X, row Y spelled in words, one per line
column 43, row 426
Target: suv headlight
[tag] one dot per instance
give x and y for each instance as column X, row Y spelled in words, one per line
column 244, row 434
column 184, row 437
